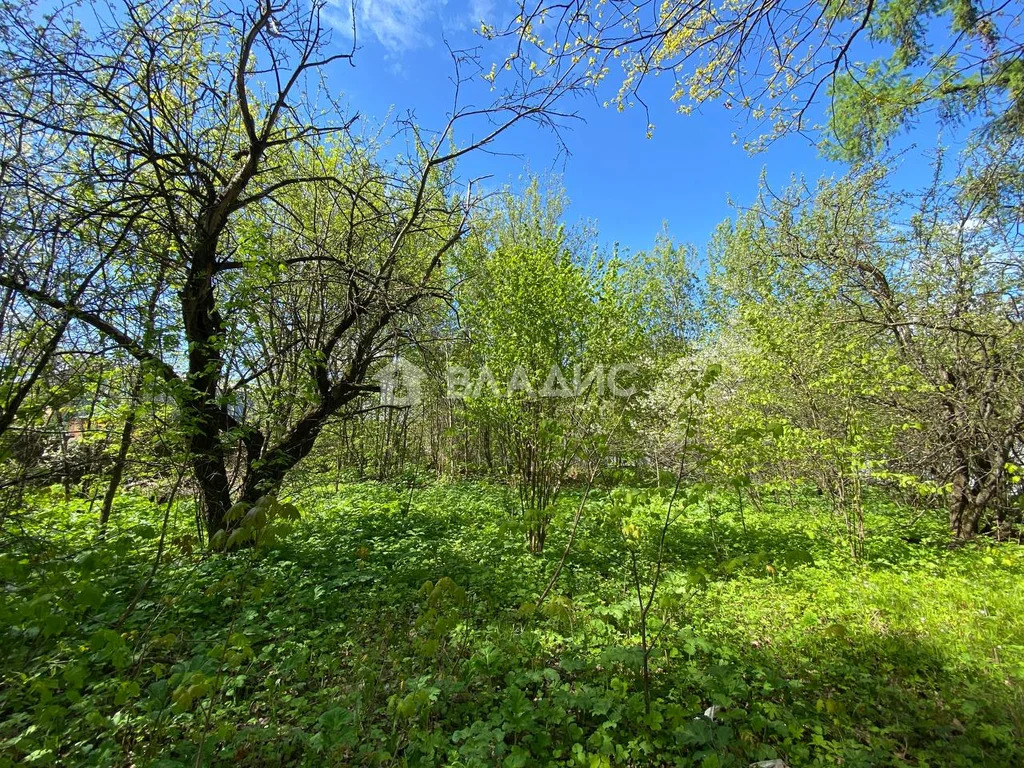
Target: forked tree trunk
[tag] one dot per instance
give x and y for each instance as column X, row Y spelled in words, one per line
column 211, row 478
column 964, row 518
column 978, row 485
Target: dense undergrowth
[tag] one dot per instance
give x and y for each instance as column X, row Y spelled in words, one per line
column 400, row 627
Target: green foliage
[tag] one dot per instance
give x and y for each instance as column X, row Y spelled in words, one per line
column 873, row 67
column 545, row 323
column 373, row 636
column 837, row 326
column 258, row 524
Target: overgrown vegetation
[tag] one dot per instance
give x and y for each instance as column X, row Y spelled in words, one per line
column 400, row 629
column 314, row 452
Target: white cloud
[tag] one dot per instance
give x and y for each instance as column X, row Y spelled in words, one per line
column 398, row 25
column 482, row 10
column 402, row 25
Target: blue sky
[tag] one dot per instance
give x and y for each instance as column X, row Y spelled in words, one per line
column 630, row 185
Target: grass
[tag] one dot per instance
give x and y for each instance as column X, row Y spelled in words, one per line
column 398, row 628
